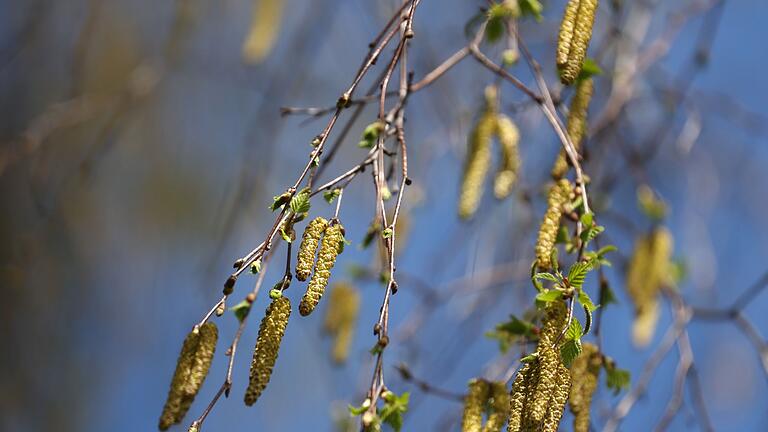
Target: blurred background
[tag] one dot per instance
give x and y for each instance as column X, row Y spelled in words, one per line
column 142, row 141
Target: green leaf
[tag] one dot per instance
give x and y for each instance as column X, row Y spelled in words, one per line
column 394, row 408
column 494, row 30
column 280, row 200
column 588, row 69
column 531, row 8
column 510, row 331
column 570, row 350
column 300, row 202
column 529, row 358
column 607, row 296
column 275, row 293
column 578, row 272
column 285, row 236
column 546, row 276
column 256, row 266
column 356, row 411
column 371, row 134
column 549, row 296
column 563, row 236
column 586, row 301
column 370, row 235
column 590, row 233
column 616, row 379
column 331, row 195
column 574, row 331
column 241, row 310
column 554, row 260
column 587, row 219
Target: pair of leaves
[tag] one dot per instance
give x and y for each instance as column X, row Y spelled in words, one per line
column 371, row 134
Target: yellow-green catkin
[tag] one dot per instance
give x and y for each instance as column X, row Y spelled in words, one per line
column 648, row 271
column 499, row 403
column 478, row 157
column 558, row 399
column 577, row 124
column 309, row 242
column 509, row 138
column 341, row 318
column 191, row 369
column 271, row 333
column 326, row 258
column 573, row 39
column 585, row 372
column 559, row 195
column 474, row 406
column 263, row 31
column 540, row 389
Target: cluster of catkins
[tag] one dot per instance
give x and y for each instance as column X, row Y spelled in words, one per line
column 559, row 196
column 541, row 388
column 491, row 123
column 326, row 240
column 648, row 272
column 484, row 394
column 573, row 39
column 191, row 370
column 341, row 317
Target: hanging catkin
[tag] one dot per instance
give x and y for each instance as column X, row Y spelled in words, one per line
column 191, row 369
column 474, row 405
column 509, row 138
column 577, row 124
column 648, row 271
column 559, row 195
column 573, row 39
column 478, row 158
column 309, row 242
column 541, row 388
column 326, row 258
column 499, row 403
column 271, row 332
column 585, row 372
column 265, row 26
column 341, row 317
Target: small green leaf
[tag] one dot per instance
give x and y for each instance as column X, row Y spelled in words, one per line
column 553, row 258
column 616, row 379
column 574, row 331
column 546, row 276
column 285, row 236
column 607, row 295
column 587, row 219
column 387, row 233
column 280, row 200
column 256, row 266
column 394, row 408
column 241, row 310
column 371, row 134
column 588, row 69
column 275, row 293
column 570, row 350
column 577, row 273
column 331, row 195
column 356, row 411
column 650, row 203
column 529, row 358
column 549, row 296
column 586, row 301
column 563, row 236
column 509, row 332
column 300, row 202
column 532, row 8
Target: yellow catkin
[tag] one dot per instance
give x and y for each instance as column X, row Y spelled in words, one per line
column 326, row 258
column 577, row 124
column 271, row 333
column 536, row 399
column 474, row 405
column 559, row 195
column 477, row 165
column 573, row 39
column 585, row 372
column 264, row 29
column 647, row 272
column 341, row 317
column 499, row 403
column 509, row 138
column 191, row 369
column 309, row 242
column 558, row 399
